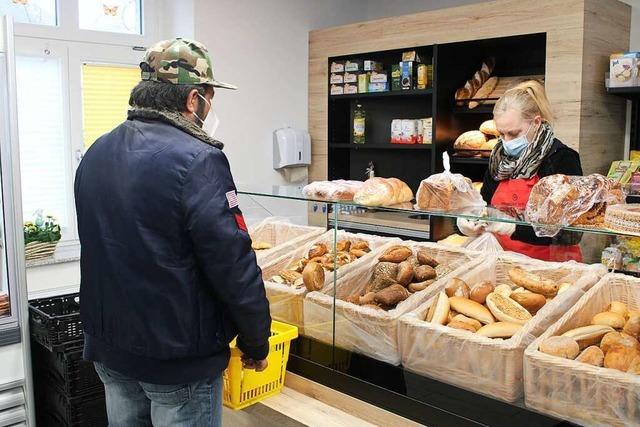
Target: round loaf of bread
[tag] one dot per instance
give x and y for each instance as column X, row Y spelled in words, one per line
column 560, row 346
column 489, row 128
column 609, row 318
column 471, row 140
column 592, row 355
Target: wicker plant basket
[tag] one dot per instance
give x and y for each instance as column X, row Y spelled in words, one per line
column 582, row 393
column 282, row 236
column 366, row 330
column 484, row 365
column 39, row 250
column 286, row 302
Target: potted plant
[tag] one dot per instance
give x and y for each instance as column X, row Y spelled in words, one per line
column 41, row 236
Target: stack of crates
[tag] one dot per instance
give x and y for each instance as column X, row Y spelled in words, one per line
column 68, row 390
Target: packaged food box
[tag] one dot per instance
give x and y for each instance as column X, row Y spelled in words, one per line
column 363, row 82
column 396, row 75
column 622, row 170
column 350, row 88
column 372, row 66
column 408, row 74
column 337, row 67
column 354, row 65
column 396, row 131
column 337, row 90
column 409, row 132
column 350, row 78
column 623, row 69
column 423, row 79
column 336, row 79
column 411, row 55
column 379, row 77
column 419, row 134
column 378, row 87
column 427, row 130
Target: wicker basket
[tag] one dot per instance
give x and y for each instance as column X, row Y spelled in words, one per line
column 365, row 330
column 582, row 393
column 39, row 250
column 488, row 366
column 282, row 236
column 286, row 302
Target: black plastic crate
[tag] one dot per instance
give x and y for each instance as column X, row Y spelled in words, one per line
column 65, row 369
column 55, row 321
column 54, row 409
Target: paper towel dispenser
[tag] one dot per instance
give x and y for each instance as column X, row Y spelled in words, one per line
column 291, row 148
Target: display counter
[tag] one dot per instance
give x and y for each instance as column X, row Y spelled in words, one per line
column 440, row 332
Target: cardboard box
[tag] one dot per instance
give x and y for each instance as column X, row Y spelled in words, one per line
column 363, row 83
column 372, row 66
column 623, row 69
column 350, row 78
column 337, row 90
column 350, row 88
column 408, row 76
column 379, row 77
column 396, row 75
column 337, row 67
column 378, row 87
column 354, row 65
column 336, row 79
column 411, row 55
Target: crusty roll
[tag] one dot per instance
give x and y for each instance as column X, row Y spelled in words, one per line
column 471, row 140
column 383, row 192
column 471, row 309
column 499, row 330
column 488, row 127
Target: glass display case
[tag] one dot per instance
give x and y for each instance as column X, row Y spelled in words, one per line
column 384, row 300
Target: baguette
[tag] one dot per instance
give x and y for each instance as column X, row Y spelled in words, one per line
column 608, row 318
column 588, row 335
column 471, row 309
column 439, row 310
column 533, row 282
column 484, row 91
column 499, row 330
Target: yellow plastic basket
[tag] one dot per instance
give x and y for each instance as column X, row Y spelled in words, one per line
column 244, row 387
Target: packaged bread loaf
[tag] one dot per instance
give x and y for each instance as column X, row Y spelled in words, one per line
column 446, row 191
column 561, row 200
column 332, row 190
column 383, row 192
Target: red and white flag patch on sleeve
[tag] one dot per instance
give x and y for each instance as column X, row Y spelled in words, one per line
column 232, row 198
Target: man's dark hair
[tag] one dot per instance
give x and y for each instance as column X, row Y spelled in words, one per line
column 163, row 96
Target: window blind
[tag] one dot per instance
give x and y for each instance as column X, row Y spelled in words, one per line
column 105, row 98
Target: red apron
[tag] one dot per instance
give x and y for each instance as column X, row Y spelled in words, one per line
column 514, row 193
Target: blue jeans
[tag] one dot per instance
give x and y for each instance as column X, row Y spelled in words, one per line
column 131, row 403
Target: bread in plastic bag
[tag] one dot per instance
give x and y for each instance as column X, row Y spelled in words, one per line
column 558, row 201
column 339, row 189
column 447, row 191
column 486, row 243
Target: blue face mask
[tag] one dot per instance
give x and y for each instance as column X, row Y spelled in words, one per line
column 516, row 146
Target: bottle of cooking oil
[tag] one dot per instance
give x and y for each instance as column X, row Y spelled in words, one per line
column 358, row 125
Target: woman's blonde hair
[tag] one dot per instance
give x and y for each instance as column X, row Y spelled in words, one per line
column 529, row 98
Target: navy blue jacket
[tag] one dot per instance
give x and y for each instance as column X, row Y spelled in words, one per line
column 168, row 274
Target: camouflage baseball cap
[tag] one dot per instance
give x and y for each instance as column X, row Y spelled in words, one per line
column 180, row 61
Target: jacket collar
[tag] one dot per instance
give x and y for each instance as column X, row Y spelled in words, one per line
column 174, row 119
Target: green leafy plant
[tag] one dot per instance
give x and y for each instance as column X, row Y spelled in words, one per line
column 42, row 229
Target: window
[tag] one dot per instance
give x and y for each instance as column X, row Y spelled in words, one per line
column 40, row 12
column 105, row 98
column 43, row 140
column 117, row 16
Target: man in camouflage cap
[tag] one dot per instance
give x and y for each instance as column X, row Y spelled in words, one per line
column 168, row 274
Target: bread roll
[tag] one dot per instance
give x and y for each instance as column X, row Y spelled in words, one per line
column 507, row 310
column 632, row 327
column 368, row 298
column 562, row 346
column 313, row 276
column 424, row 272
column 488, row 127
column 473, row 323
column 419, row 286
column 530, row 301
column 453, row 285
column 424, row 258
column 499, row 330
column 588, row 335
column 504, row 290
column 615, row 339
column 592, row 355
column 533, row 282
column 397, row 253
column 391, row 295
column 471, row 140
column 471, row 309
column 480, row 291
column 490, row 144
column 618, row 307
column 620, row 358
column 634, row 367
column 609, row 318
column 405, row 273
column 439, row 310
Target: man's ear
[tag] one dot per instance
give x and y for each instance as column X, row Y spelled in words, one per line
column 191, row 105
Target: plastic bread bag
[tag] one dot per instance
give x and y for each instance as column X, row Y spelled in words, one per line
column 486, row 242
column 558, row 201
column 447, row 191
column 332, row 190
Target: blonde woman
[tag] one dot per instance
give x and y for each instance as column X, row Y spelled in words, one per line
column 526, row 152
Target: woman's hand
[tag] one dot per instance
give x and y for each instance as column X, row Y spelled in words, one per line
column 470, row 227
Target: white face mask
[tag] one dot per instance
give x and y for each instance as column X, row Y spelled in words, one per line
column 211, row 122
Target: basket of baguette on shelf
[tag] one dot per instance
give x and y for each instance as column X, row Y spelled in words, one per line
column 473, row 328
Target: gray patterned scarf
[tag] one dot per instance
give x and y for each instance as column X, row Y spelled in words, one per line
column 502, row 166
column 175, row 119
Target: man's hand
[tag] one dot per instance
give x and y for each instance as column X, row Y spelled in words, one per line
column 258, row 365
